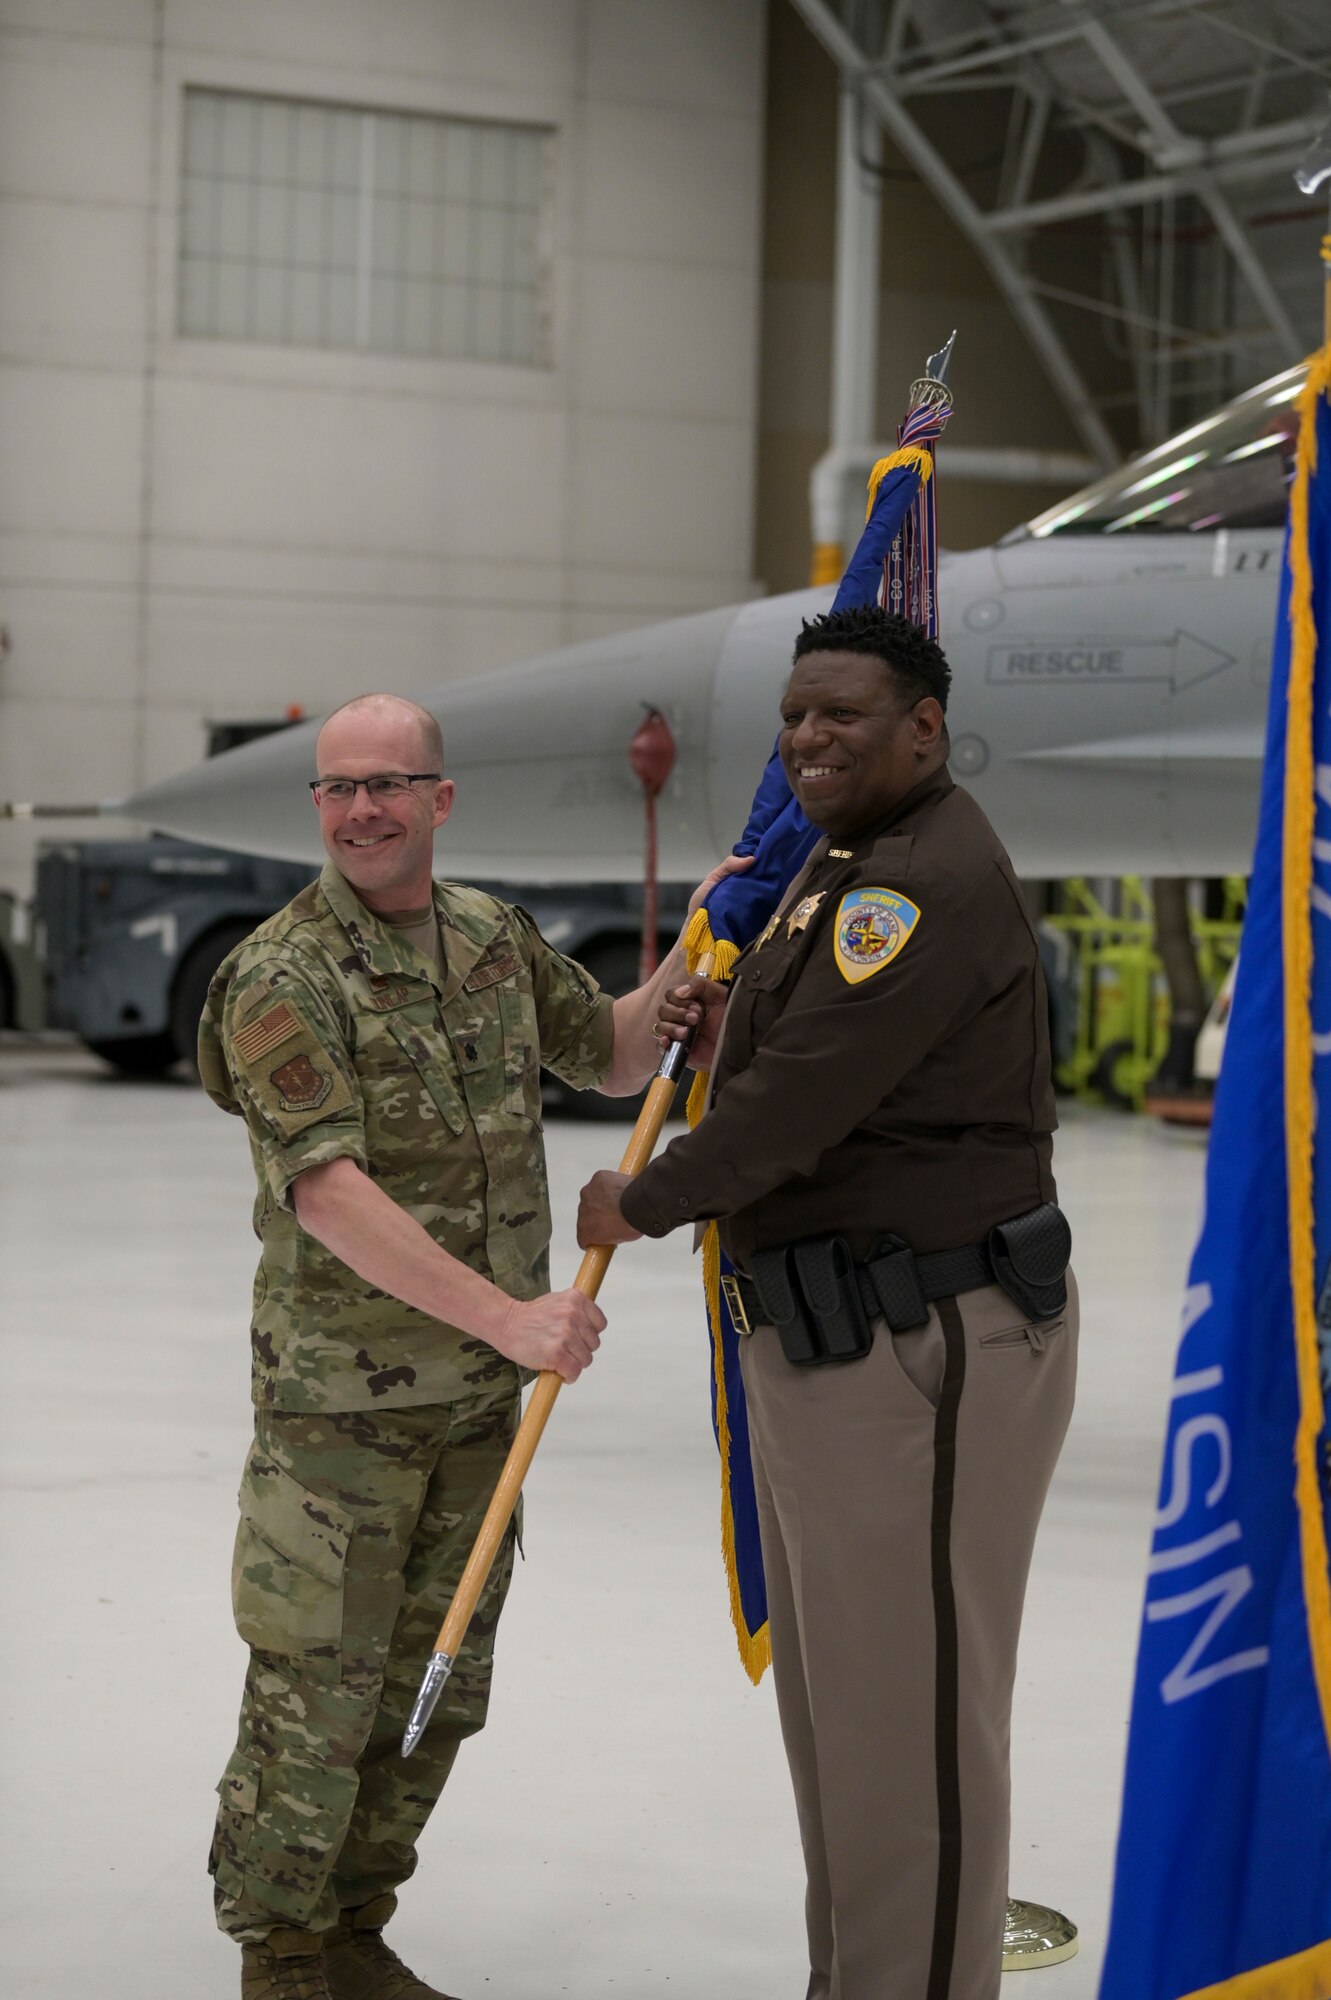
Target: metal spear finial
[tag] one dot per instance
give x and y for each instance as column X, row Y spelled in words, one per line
column 936, row 366
column 931, row 387
column 432, row 1686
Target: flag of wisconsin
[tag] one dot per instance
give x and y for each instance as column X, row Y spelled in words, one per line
column 1223, row 1880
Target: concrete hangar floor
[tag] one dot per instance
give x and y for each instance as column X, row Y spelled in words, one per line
column 624, row 1825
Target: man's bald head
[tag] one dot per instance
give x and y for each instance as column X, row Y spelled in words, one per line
column 392, row 711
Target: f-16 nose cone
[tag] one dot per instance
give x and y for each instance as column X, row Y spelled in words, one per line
column 540, row 756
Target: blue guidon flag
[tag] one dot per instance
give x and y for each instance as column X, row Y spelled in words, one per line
column 894, row 564
column 1223, row 1882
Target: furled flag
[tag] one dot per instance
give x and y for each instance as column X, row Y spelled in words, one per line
column 1223, row 1884
column 895, row 564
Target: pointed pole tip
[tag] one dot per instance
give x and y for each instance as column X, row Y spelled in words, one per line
column 432, row 1686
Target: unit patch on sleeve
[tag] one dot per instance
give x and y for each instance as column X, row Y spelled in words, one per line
column 303, row 1085
column 872, row 926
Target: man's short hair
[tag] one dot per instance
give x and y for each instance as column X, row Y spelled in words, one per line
column 915, row 660
column 432, row 736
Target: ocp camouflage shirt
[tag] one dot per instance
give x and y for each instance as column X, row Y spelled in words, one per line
column 334, row 1038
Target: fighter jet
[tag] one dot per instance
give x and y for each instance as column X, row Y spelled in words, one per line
column 1110, row 662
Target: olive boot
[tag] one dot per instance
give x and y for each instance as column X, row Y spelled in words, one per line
column 288, row 1965
column 360, row 1966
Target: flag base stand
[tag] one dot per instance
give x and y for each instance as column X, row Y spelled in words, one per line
column 1034, row 1935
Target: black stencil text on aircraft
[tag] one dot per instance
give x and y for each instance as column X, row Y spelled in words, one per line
column 1181, row 660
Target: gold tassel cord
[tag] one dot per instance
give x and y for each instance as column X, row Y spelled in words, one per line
column 1296, row 925
column 1305, row 1976
column 755, row 1651
column 913, row 455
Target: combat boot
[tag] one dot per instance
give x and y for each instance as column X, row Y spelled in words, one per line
column 360, row 1966
column 288, row 1965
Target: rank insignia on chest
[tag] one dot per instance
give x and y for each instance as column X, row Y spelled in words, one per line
column 802, row 913
column 872, row 927
column 760, row 941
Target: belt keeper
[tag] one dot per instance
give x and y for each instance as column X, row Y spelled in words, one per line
column 896, row 1279
column 734, row 1298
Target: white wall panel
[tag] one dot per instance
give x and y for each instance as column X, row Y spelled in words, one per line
column 701, row 54
column 75, row 117
column 241, row 656
column 637, row 491
column 665, row 339
column 509, row 44
column 107, row 21
column 77, row 295
column 51, row 748
column 671, row 185
column 302, row 471
column 315, row 522
column 70, row 645
column 71, row 458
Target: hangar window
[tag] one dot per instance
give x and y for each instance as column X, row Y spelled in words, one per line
column 1231, row 470
column 321, row 225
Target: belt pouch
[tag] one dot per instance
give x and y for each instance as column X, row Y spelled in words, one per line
column 782, row 1306
column 1030, row 1258
column 895, row 1277
column 826, row 1273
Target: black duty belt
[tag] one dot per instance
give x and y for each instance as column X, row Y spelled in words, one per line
column 822, row 1302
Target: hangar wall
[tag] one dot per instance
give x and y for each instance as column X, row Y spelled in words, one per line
column 196, row 527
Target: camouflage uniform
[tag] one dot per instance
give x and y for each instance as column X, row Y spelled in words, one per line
column 379, row 1432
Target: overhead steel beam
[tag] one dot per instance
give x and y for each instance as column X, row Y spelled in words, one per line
column 1012, row 282
column 1196, row 180
column 1123, row 194
column 1000, row 48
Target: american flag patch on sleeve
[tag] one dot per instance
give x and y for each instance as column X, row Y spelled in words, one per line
column 257, row 1037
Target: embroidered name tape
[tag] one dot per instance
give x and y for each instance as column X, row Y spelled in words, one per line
column 257, row 1037
column 872, row 927
column 490, row 971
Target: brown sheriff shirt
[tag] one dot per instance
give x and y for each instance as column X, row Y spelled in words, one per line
column 877, row 1070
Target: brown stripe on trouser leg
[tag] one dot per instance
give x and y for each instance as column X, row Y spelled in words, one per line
column 846, row 1458
column 947, row 1774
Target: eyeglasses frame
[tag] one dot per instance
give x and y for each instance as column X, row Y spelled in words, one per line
column 412, row 778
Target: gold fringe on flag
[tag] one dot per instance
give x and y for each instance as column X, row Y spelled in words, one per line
column 755, row 1651
column 1296, row 926
column 914, row 455
column 1306, row 1976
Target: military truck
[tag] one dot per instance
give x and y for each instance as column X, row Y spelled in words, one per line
column 124, row 936
column 132, row 932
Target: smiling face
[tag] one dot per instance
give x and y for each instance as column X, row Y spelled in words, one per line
column 852, row 743
column 384, row 847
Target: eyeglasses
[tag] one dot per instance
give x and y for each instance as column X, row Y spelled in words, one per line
column 341, row 791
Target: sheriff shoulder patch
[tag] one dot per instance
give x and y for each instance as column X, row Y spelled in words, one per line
column 252, row 1042
column 303, row 1085
column 872, row 927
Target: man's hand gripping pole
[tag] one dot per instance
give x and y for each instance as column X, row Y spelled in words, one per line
column 591, row 1271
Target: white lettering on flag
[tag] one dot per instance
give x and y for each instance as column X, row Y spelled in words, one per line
column 1191, row 1552
column 1229, row 1591
column 1180, row 1498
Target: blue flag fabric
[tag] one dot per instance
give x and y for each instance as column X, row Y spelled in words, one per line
column 780, row 838
column 1223, row 1880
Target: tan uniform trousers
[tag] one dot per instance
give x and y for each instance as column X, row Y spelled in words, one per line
column 898, row 1499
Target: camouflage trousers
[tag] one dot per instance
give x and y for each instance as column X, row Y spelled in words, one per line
column 354, row 1530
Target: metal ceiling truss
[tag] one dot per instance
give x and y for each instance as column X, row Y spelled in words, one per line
column 1183, row 109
